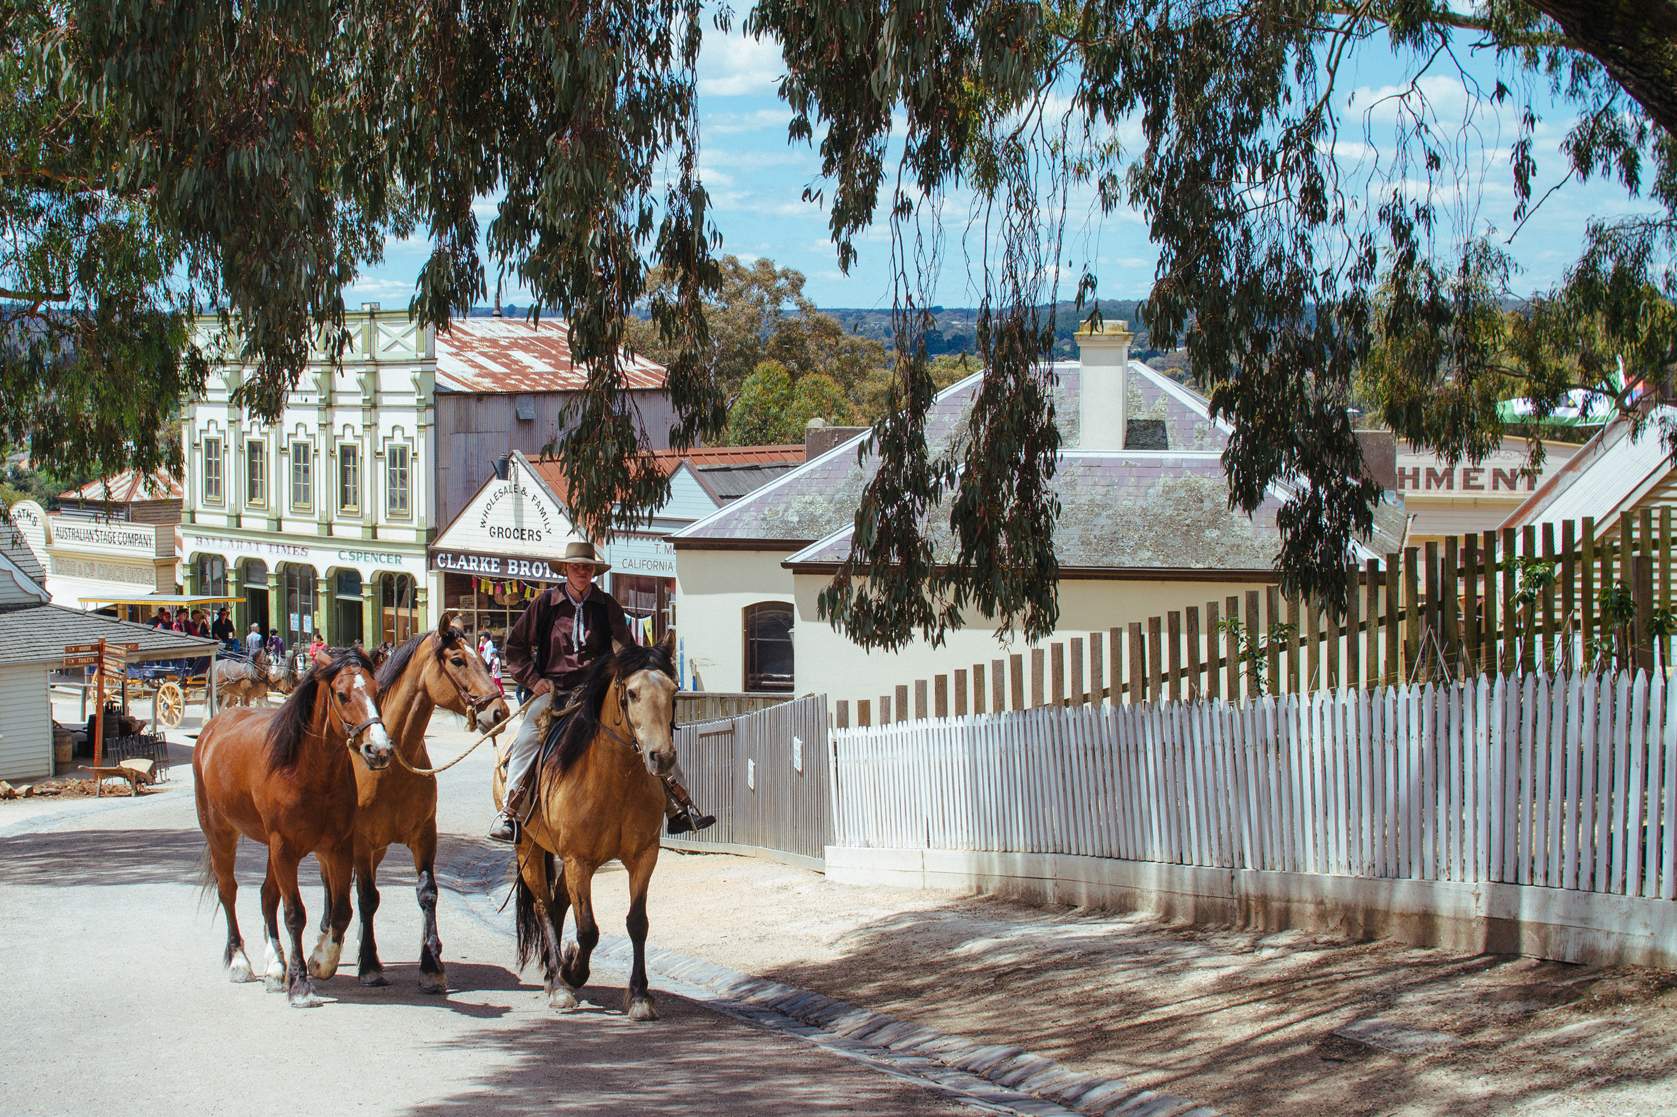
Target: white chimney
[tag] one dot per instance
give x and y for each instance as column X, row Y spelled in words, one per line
column 1101, row 402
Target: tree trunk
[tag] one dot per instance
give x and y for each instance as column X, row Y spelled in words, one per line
column 1636, row 40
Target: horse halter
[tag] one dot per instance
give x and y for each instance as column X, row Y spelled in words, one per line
column 474, row 705
column 357, row 730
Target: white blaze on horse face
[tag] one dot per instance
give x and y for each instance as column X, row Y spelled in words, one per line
column 650, row 702
column 375, row 739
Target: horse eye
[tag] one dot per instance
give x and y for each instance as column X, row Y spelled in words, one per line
column 634, row 695
column 458, row 662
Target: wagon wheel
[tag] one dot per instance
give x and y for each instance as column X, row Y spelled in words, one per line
column 170, row 704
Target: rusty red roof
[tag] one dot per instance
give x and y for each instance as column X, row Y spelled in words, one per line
column 510, row 355
column 127, row 487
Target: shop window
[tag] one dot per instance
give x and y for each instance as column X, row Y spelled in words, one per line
column 349, row 478
column 210, row 575
column 256, row 473
column 768, row 646
column 302, row 476
column 212, row 471
column 397, row 481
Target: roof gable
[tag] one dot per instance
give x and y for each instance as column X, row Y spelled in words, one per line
column 1609, row 474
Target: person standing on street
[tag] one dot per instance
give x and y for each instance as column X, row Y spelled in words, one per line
column 548, row 650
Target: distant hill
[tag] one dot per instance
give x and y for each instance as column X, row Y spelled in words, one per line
column 957, row 327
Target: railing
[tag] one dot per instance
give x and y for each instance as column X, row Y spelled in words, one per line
column 1515, row 602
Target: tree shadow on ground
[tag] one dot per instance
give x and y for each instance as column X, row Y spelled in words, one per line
column 1245, row 1021
column 688, row 1062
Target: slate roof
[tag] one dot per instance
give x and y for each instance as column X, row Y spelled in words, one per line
column 727, row 472
column 728, row 483
column 127, row 487
column 1137, row 509
column 39, row 633
column 510, row 355
column 16, row 548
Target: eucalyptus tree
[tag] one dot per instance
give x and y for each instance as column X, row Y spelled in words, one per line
column 160, row 158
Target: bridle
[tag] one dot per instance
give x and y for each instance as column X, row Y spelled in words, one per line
column 358, row 729
column 474, row 705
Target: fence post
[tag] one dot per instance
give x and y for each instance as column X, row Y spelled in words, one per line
column 1371, row 645
column 1642, row 591
column 960, row 692
column 1353, row 632
column 1394, row 621
column 1586, row 586
column 940, row 696
column 1431, row 624
column 1254, row 633
column 1213, row 659
column 1114, row 664
column 920, row 699
column 1037, row 658
column 1528, row 624
column 1231, row 669
column 1272, row 648
column 1135, row 670
column 841, row 714
column 1470, row 599
column 1569, row 596
column 1078, row 695
column 1547, row 632
column 1505, row 570
column 1173, row 655
column 885, row 709
column 1295, row 645
column 1194, row 688
column 1314, row 678
column 1057, row 673
column 900, row 706
column 978, row 691
column 1411, row 612
column 1097, row 669
column 1016, row 681
column 863, row 713
column 1447, row 609
column 998, row 686
column 1155, row 658
column 1487, row 603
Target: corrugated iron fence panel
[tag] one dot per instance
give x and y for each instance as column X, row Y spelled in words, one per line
column 764, row 775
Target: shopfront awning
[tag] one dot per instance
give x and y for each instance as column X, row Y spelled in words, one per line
column 157, row 600
column 72, row 592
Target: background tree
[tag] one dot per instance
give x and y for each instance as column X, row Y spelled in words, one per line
column 162, row 158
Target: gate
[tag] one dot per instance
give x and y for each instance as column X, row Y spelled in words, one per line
column 764, row 776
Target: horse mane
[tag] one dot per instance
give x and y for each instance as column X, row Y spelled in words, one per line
column 285, row 735
column 584, row 725
column 397, row 662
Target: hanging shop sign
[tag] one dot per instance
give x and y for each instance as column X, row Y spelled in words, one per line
column 495, row 566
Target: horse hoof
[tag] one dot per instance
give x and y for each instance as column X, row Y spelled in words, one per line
column 433, row 983
column 374, row 979
column 274, row 983
column 562, row 1000
column 239, row 971
column 641, row 1010
column 323, row 963
column 306, row 1000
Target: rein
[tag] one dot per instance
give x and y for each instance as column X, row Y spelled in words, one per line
column 471, row 748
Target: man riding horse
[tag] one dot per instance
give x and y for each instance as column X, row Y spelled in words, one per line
column 564, row 630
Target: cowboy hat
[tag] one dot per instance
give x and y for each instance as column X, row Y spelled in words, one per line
column 582, row 552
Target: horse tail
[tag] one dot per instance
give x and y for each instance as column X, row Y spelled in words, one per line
column 530, row 913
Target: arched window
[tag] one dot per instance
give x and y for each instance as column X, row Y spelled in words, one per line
column 768, row 646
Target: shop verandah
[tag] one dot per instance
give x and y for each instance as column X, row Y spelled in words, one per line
column 296, row 600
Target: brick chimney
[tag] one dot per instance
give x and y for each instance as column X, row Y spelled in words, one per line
column 1101, row 404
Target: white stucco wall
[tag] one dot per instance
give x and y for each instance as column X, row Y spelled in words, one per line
column 827, row 662
column 713, row 589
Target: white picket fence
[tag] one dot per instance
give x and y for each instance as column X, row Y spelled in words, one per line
column 1560, row 782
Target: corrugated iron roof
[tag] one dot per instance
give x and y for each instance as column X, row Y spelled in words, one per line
column 1606, row 475
column 509, row 355
column 39, row 633
column 127, row 487
column 768, row 462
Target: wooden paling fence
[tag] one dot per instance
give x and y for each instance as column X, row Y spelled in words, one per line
column 1549, row 599
column 764, row 775
column 1564, row 782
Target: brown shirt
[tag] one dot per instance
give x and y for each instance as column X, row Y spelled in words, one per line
column 544, row 644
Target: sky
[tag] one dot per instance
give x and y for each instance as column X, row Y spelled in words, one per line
column 756, row 179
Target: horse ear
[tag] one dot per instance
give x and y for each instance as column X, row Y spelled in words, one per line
column 617, row 646
column 447, row 623
column 321, row 659
column 667, row 644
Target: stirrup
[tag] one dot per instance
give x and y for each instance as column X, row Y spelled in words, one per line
column 504, row 828
column 687, row 821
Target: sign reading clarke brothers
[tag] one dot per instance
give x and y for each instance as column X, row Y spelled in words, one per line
column 510, row 530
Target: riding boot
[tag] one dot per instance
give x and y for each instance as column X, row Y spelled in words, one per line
column 680, row 814
column 505, row 826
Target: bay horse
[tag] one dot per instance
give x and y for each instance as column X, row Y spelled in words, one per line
column 398, row 807
column 599, row 799
column 283, row 777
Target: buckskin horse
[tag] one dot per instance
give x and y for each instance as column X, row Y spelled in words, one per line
column 399, row 807
column 283, row 777
column 599, row 799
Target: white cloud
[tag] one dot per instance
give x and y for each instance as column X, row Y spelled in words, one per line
column 396, row 292
column 736, row 123
column 734, row 64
